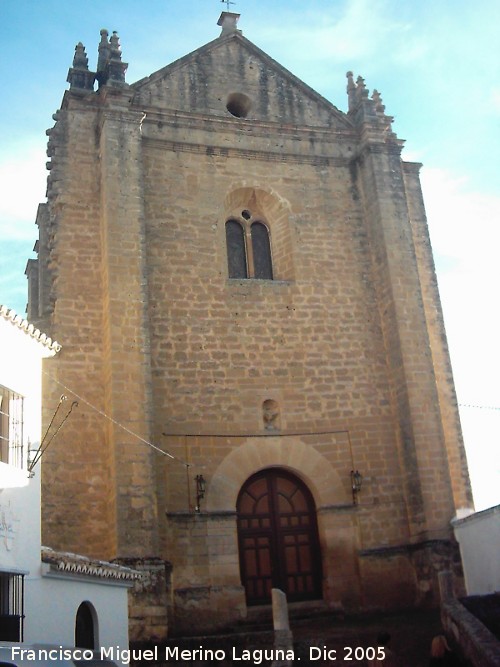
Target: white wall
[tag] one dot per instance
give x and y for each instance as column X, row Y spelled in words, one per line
column 479, row 538
column 20, row 524
column 51, row 599
column 52, row 603
column 21, row 371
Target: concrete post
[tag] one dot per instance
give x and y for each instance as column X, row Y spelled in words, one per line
column 283, row 638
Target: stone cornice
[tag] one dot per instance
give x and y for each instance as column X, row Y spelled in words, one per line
column 219, row 123
column 251, row 154
column 121, row 114
column 412, row 167
column 394, row 550
column 378, row 147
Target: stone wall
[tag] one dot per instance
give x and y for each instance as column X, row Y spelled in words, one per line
column 173, row 363
column 206, row 572
column 148, row 599
column 477, row 644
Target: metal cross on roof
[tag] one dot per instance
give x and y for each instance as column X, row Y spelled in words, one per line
column 228, row 3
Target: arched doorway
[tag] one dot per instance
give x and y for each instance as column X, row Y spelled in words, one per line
column 84, row 627
column 278, row 538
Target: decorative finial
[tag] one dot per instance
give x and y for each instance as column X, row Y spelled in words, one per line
column 351, row 90
column 80, row 60
column 361, row 87
column 79, row 76
column 103, row 50
column 103, row 57
column 114, row 43
column 117, row 68
column 227, row 3
column 377, row 99
column 368, row 110
column 110, row 68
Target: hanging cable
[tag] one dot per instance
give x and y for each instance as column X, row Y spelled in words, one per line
column 41, row 450
column 31, row 464
column 117, row 423
column 166, row 453
column 271, row 434
column 478, row 407
column 61, row 401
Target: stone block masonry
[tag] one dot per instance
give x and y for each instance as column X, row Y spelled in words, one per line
column 337, row 363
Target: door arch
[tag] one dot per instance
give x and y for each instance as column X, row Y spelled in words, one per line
column 278, row 538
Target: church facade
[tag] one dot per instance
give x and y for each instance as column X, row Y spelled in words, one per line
column 241, row 279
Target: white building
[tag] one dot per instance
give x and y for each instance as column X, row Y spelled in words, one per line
column 479, row 538
column 45, row 597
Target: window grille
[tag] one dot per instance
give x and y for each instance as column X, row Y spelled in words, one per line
column 11, row 607
column 11, row 427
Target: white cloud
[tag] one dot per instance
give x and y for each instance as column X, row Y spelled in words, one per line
column 481, row 429
column 360, row 32
column 495, row 100
column 465, row 233
column 24, row 178
column 464, row 224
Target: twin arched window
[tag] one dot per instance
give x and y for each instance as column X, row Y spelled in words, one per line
column 248, row 248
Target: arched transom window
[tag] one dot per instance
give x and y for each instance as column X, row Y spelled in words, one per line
column 248, row 247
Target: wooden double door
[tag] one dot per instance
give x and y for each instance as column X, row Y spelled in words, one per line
column 278, row 538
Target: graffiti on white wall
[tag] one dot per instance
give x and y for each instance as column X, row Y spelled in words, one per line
column 8, row 527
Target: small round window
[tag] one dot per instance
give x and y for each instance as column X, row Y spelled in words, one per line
column 238, row 105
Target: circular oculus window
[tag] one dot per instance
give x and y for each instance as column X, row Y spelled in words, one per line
column 238, row 105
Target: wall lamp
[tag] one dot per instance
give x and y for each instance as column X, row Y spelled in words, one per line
column 200, row 491
column 356, row 482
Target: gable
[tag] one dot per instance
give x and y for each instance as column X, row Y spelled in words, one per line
column 231, row 76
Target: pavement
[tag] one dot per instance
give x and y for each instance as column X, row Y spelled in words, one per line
column 411, row 635
column 318, row 640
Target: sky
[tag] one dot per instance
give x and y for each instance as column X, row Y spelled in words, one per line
column 436, row 64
